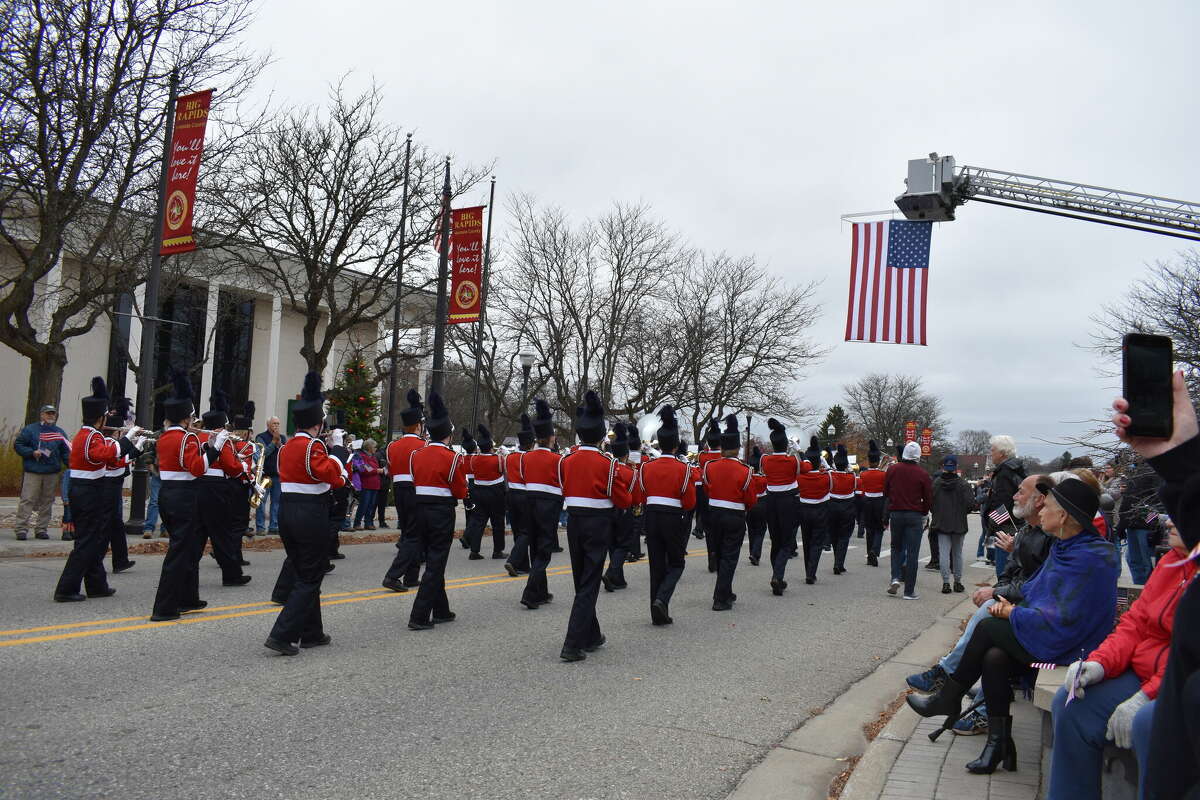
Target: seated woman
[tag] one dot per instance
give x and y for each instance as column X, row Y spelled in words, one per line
column 1123, row 674
column 1068, row 608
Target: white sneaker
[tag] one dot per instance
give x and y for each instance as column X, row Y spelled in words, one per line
column 895, row 587
column 913, row 596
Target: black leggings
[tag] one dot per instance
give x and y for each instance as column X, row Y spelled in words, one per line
column 995, row 655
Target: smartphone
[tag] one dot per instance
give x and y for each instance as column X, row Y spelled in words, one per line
column 1146, row 366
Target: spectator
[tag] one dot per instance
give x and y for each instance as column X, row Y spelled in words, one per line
column 952, row 501
column 1110, row 495
column 44, row 450
column 1137, row 501
column 908, row 490
column 1068, row 607
column 1121, row 677
column 366, row 466
column 981, row 493
column 383, row 498
column 152, row 503
column 1007, row 474
column 272, row 440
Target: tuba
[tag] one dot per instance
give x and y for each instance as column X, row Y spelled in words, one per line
column 261, row 484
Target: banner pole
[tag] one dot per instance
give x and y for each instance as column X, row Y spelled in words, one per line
column 147, row 366
column 483, row 292
column 436, row 379
column 391, row 403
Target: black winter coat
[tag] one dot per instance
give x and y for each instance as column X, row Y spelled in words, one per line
column 1006, row 479
column 952, row 501
column 1030, row 550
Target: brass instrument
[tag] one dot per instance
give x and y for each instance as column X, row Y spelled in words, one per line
column 261, row 484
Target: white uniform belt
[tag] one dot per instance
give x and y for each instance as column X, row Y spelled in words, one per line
column 545, row 487
column 215, row 473
column 782, row 488
column 433, row 491
column 842, row 496
column 812, row 501
column 402, row 479
column 872, row 494
column 304, row 488
column 583, row 502
column 730, row 504
column 491, row 482
column 173, row 475
column 520, row 486
column 655, row 500
column 87, row 474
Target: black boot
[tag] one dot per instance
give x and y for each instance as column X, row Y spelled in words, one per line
column 998, row 749
column 944, row 702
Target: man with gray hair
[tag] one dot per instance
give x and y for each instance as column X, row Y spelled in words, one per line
column 272, row 440
column 1007, row 474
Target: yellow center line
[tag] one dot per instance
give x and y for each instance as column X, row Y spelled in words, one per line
column 207, row 615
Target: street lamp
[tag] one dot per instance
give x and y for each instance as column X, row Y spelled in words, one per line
column 527, row 359
column 890, row 444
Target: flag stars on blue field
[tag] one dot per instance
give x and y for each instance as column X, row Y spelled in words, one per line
column 908, row 244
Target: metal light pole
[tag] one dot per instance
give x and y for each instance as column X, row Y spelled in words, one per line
column 748, row 448
column 147, row 366
column 437, row 379
column 391, row 405
column 526, row 367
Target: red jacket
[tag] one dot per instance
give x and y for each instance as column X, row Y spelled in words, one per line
column 591, row 479
column 870, row 482
column 512, row 471
column 814, row 485
column 1142, row 638
column 488, row 469
column 227, row 464
column 729, row 483
column 666, row 482
column 908, row 488
column 540, row 472
column 92, row 454
column 398, row 453
column 781, row 471
column 841, row 485
column 305, row 467
column 438, row 473
column 179, row 455
column 702, row 458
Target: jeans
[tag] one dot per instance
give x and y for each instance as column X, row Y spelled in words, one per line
column 276, row 494
column 951, row 660
column 906, row 547
column 152, row 505
column 950, row 547
column 1138, row 554
column 979, row 551
column 1001, row 557
column 1079, row 736
column 366, row 508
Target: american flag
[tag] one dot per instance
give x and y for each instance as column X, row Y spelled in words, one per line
column 889, row 282
column 1151, row 517
column 999, row 516
column 54, row 436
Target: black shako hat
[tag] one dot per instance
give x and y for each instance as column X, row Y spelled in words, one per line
column 731, row 438
column 1078, row 499
column 96, row 405
column 179, row 405
column 217, row 415
column 245, row 421
column 756, row 457
column 119, row 412
column 589, row 419
column 620, row 442
column 468, row 442
column 309, row 410
column 841, row 460
column 543, row 419
column 779, row 440
column 635, row 438
column 438, row 420
column 412, row 414
column 486, row 443
column 668, row 431
column 712, row 437
column 873, row 454
column 813, row 454
column 525, row 437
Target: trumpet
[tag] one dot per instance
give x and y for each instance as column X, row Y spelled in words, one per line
column 233, row 437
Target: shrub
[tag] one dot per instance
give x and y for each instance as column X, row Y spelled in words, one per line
column 11, row 465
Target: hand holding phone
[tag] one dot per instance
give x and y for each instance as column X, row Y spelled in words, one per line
column 1146, row 384
column 1183, row 424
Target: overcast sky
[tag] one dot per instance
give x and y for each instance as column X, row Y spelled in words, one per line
column 751, row 127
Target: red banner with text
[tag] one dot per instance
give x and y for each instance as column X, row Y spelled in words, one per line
column 910, row 431
column 466, row 263
column 926, row 442
column 187, row 145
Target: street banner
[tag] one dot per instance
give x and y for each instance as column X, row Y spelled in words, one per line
column 187, row 145
column 910, row 432
column 466, row 263
column 926, row 442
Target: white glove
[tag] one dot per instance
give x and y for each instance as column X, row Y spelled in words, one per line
column 1090, row 673
column 133, row 431
column 219, row 440
column 1120, row 724
column 138, row 442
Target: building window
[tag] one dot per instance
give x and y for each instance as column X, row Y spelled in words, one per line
column 180, row 343
column 232, row 348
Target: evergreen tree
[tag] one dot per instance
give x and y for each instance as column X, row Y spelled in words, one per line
column 355, row 396
column 836, row 420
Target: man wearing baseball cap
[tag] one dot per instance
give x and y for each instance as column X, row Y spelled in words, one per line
column 43, row 449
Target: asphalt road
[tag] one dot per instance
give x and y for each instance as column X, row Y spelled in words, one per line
column 98, row 702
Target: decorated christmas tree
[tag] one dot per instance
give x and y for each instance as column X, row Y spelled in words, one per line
column 354, row 395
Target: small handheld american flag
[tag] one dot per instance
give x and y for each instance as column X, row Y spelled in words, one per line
column 1151, row 517
column 1000, row 516
column 1043, row 665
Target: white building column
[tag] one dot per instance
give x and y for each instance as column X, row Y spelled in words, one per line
column 272, row 383
column 210, row 346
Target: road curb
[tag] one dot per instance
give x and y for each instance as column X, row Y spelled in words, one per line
column 803, row 765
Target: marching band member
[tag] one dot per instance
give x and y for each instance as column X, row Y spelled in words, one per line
column 782, row 472
column 114, row 482
column 624, row 533
column 813, row 494
column 711, row 453
column 667, row 489
column 756, row 517
column 244, row 484
column 439, row 477
column 487, row 494
column 870, row 487
column 470, row 448
column 405, row 568
column 336, row 445
column 539, row 470
column 634, row 550
column 731, row 488
column 181, row 460
column 92, row 453
column 841, row 507
column 592, row 488
column 214, row 491
column 307, row 474
column 516, row 501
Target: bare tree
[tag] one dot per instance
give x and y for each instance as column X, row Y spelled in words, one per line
column 973, row 442
column 315, row 202
column 880, row 404
column 83, row 90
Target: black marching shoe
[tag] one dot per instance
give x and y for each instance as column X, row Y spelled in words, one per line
column 549, row 598
column 754, row 561
column 164, row 617
column 609, row 584
column 419, row 626
column 450, row 617
column 946, row 701
column 475, row 557
column 334, row 556
column 872, row 561
column 658, row 613
column 777, row 586
column 74, row 597
column 933, row 566
column 199, row 605
column 107, row 591
column 124, row 567
column 283, row 648
column 570, row 654
column 501, row 554
column 999, row 748
column 324, row 640
column 530, row 604
column 394, row 585
column 243, row 562
column 810, row 581
column 510, row 569
column 240, row 580
column 412, row 584
column 719, row 605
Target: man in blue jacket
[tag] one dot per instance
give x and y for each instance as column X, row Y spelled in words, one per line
column 43, row 447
